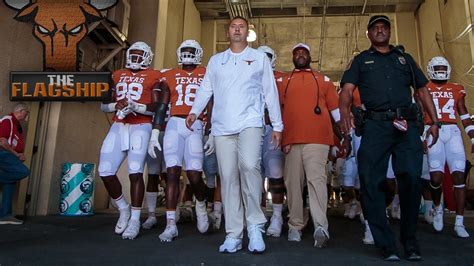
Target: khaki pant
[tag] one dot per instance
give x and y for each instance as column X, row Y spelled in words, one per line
column 239, row 158
column 310, row 159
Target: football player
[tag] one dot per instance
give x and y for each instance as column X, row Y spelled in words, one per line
column 134, row 94
column 449, row 101
column 273, row 160
column 179, row 87
column 210, row 168
column 350, row 180
column 156, row 167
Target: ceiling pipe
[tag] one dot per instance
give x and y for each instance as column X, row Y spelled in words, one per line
column 323, row 24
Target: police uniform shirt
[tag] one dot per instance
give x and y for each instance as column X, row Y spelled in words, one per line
column 384, row 80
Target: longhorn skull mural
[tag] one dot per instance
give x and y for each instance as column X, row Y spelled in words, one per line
column 60, row 25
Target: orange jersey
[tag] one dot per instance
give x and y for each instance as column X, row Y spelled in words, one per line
column 183, row 86
column 278, row 77
column 137, row 87
column 445, row 98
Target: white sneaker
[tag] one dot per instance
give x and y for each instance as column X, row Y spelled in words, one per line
column 461, row 231
column 230, row 245
column 294, row 235
column 354, row 210
column 276, row 222
column 149, row 223
column 122, row 222
column 396, row 214
column 368, row 238
column 438, row 220
column 321, row 237
column 133, row 228
column 202, row 220
column 171, row 231
column 217, row 220
column 256, row 244
column 429, row 216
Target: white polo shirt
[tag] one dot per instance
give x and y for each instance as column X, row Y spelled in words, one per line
column 242, row 83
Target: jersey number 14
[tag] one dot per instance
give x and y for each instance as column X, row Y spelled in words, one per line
column 447, row 108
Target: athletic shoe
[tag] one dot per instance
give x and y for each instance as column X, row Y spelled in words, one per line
column 132, row 230
column 256, row 244
column 438, row 220
column 230, row 245
column 294, row 235
column 429, row 216
column 368, row 238
column 396, row 212
column 171, row 232
column 217, row 220
column 354, row 210
column 9, row 219
column 276, row 222
column 149, row 223
column 202, row 219
column 123, row 220
column 461, row 231
column 321, row 237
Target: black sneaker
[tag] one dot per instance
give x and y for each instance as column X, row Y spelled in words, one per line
column 390, row 255
column 413, row 256
column 9, row 219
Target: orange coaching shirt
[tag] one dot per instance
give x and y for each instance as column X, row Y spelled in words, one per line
column 135, row 86
column 298, row 98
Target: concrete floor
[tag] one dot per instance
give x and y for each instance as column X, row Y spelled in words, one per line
column 56, row 240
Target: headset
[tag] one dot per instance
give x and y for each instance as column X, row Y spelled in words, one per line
column 317, row 109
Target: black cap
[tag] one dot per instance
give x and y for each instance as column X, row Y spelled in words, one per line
column 376, row 18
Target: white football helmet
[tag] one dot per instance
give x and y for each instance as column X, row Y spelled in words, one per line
column 189, row 58
column 438, row 74
column 270, row 53
column 135, row 61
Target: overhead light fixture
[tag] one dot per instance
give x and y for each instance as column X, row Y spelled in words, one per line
column 252, row 36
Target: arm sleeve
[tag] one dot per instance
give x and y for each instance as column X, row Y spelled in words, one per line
column 205, row 91
column 270, row 94
column 351, row 74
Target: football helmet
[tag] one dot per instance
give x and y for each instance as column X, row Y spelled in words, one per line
column 187, row 57
column 136, row 61
column 438, row 74
column 270, row 53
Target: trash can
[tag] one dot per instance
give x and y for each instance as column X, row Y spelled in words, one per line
column 77, row 189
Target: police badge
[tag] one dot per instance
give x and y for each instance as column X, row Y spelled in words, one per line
column 402, row 60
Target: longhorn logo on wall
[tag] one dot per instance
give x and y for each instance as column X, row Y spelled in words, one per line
column 59, row 25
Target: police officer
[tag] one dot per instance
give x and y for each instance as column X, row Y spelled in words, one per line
column 384, row 75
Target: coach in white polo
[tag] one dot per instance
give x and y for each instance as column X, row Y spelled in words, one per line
column 242, row 82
